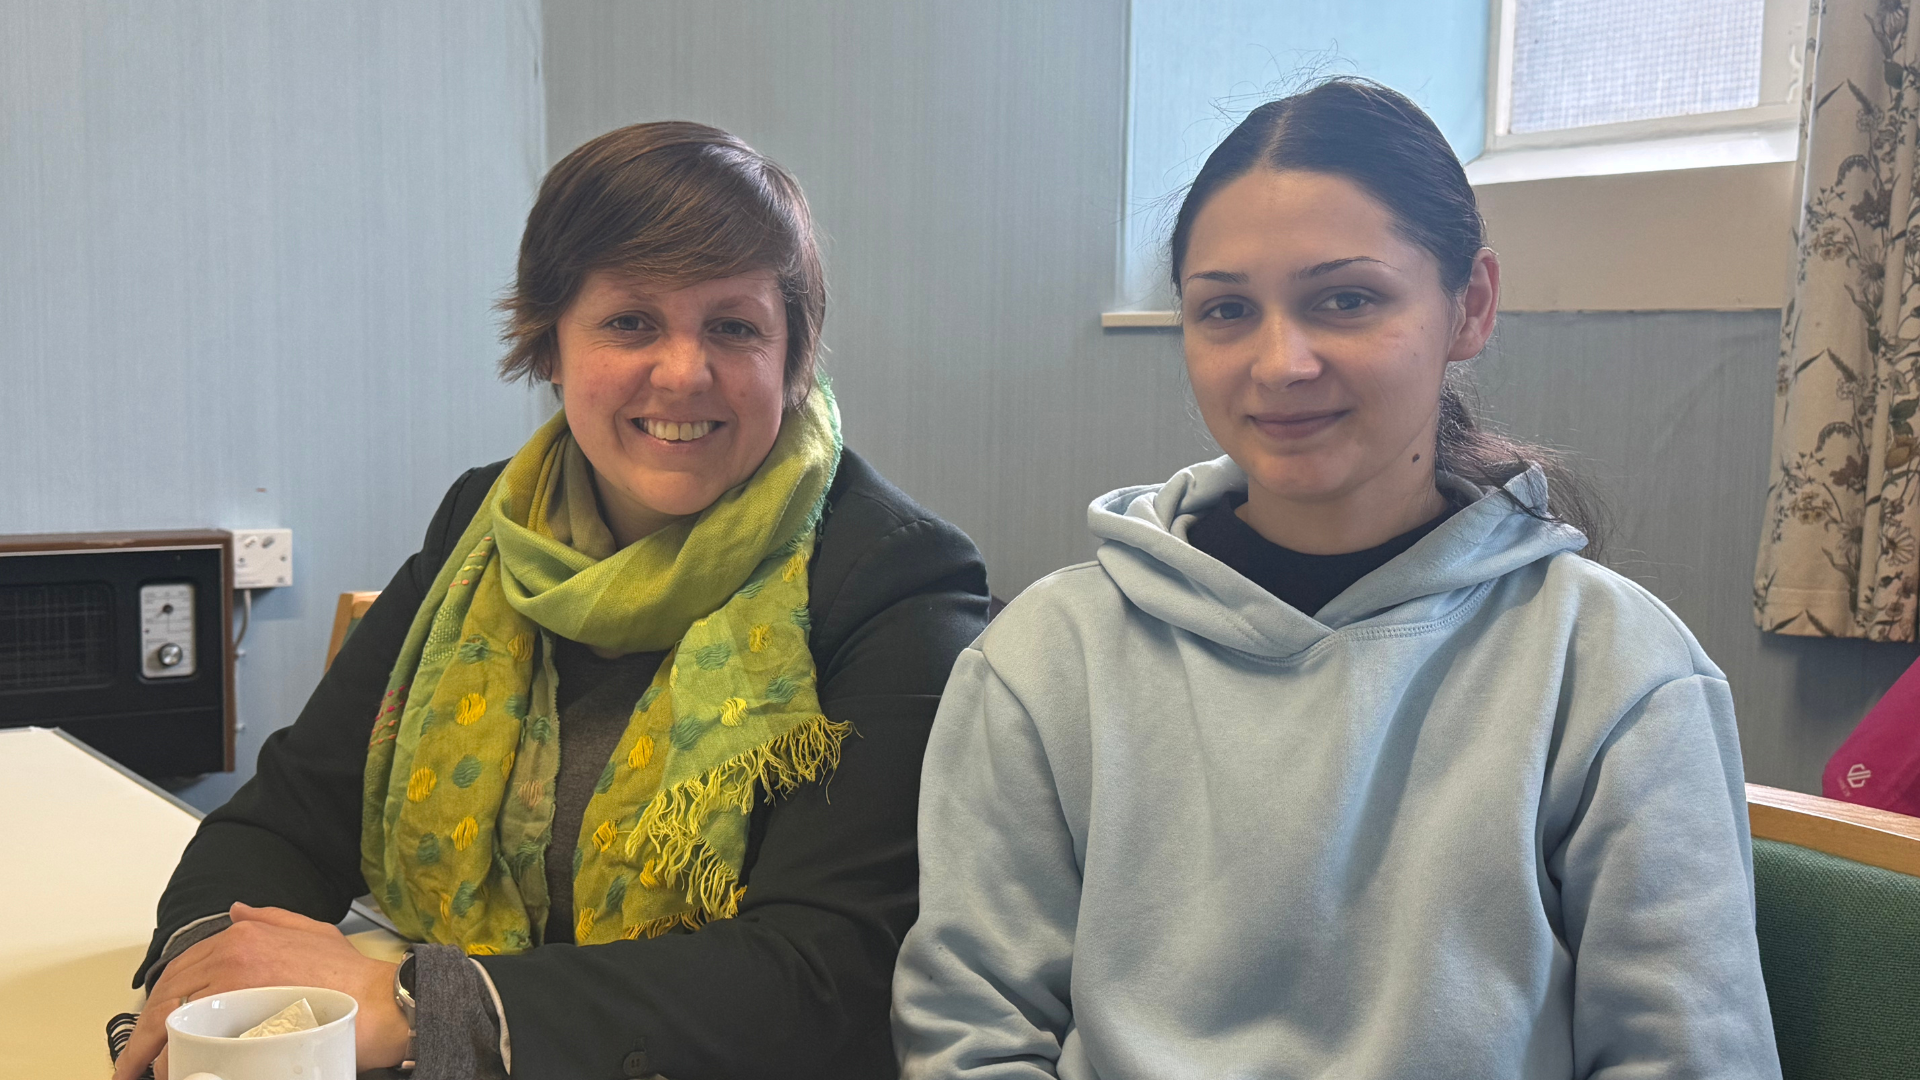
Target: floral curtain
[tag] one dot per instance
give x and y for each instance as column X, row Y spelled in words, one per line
column 1838, row 556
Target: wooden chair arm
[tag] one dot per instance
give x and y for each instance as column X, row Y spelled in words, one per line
column 1863, row 834
column 352, row 605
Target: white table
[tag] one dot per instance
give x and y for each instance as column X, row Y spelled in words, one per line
column 86, row 848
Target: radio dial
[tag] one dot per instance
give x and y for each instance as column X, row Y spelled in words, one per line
column 167, row 630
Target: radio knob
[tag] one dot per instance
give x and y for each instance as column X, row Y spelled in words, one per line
column 169, row 654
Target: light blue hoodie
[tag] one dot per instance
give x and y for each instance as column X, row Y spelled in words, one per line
column 1482, row 818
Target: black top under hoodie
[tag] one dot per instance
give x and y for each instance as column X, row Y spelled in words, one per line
column 1304, row 582
column 796, row 985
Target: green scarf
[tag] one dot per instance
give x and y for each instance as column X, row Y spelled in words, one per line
column 457, row 816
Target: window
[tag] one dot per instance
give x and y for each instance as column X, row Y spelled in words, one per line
column 1196, row 68
column 1598, row 72
column 1522, row 89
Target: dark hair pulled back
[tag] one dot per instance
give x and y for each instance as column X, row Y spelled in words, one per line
column 1375, row 137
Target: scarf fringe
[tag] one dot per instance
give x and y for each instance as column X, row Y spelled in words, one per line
column 713, row 888
column 653, row 928
column 672, row 822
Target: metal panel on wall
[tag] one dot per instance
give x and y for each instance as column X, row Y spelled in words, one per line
column 1672, row 415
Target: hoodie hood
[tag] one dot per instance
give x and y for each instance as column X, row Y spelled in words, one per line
column 1144, row 549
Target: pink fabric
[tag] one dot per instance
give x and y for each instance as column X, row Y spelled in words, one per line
column 1879, row 764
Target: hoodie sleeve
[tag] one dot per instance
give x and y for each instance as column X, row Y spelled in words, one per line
column 981, row 990
column 1656, row 887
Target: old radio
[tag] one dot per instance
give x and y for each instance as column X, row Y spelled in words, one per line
column 122, row 639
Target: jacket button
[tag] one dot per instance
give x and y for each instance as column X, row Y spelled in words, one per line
column 636, row 1065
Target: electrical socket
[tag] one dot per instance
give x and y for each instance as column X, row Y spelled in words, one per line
column 262, row 558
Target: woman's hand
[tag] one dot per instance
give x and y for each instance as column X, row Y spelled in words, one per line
column 272, row 947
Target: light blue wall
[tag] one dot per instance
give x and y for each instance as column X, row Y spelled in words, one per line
column 1197, row 68
column 246, row 258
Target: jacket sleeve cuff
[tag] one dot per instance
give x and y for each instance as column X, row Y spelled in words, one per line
column 455, row 1034
column 499, row 1015
column 186, row 938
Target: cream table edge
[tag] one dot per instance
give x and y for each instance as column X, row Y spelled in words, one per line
column 195, row 812
column 378, row 939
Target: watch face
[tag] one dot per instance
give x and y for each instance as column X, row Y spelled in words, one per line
column 404, row 976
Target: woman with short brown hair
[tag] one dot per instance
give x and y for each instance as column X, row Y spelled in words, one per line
column 578, row 750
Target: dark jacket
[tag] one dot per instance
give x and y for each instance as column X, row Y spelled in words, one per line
column 797, row 984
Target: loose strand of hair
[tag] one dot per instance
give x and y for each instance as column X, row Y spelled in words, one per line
column 1489, row 459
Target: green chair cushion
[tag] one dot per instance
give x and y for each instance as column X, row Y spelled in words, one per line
column 1840, row 949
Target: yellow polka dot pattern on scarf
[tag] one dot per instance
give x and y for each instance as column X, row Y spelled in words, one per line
column 464, row 754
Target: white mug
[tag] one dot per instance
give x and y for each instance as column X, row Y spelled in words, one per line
column 203, row 1040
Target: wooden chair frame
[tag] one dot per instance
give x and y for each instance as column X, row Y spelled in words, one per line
column 1861, row 833
column 352, row 605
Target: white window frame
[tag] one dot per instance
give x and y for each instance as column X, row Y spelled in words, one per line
column 1612, row 217
column 1766, row 132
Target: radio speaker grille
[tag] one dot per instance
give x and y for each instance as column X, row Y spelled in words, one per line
column 55, row 636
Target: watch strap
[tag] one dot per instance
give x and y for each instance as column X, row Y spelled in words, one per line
column 403, row 998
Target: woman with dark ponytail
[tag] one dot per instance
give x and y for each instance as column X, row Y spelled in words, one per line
column 1339, row 761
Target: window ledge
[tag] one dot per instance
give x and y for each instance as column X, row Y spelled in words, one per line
column 1708, row 150
column 1676, row 231
column 1698, row 239
column 1140, row 320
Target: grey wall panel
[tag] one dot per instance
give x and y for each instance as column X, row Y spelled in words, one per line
column 1671, row 414
column 965, row 163
column 247, row 253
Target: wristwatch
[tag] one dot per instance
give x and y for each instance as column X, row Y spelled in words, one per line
column 403, row 997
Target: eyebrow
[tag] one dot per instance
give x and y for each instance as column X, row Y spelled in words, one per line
column 1232, row 277
column 1331, row 265
column 1225, row 277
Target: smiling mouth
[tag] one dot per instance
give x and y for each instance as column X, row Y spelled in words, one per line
column 1299, row 426
column 674, row 431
